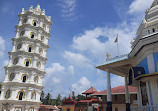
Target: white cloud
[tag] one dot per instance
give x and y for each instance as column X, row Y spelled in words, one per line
column 76, row 58
column 139, row 6
column 56, row 80
column 68, row 9
column 71, row 69
column 55, row 67
column 2, row 44
column 89, row 40
column 56, row 75
column 81, row 85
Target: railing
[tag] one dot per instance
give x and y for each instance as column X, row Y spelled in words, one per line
column 117, row 57
column 144, row 108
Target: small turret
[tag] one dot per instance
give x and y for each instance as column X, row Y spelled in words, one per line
column 38, row 8
column 22, row 11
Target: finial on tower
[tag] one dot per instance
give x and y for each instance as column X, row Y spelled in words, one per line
column 147, row 10
column 22, row 11
column 43, row 12
column 132, row 41
column 107, row 56
column 38, row 7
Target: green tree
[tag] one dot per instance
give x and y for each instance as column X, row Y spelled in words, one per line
column 58, row 100
column 80, row 97
column 47, row 100
column 64, row 99
column 73, row 95
column 42, row 95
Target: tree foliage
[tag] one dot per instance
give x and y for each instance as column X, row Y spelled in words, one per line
column 73, row 95
column 47, row 100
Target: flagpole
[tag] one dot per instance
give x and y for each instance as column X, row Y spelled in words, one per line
column 118, row 46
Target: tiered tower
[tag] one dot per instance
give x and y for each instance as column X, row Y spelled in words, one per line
column 22, row 86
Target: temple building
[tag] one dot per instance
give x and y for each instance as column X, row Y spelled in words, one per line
column 118, row 98
column 96, row 101
column 83, row 105
column 68, row 104
column 22, row 86
column 140, row 66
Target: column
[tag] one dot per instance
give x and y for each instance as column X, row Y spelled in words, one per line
column 127, row 95
column 109, row 100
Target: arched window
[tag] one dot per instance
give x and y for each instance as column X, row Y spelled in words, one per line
column 22, row 33
column 38, row 64
column 42, row 38
column 35, row 22
column 33, row 35
column 33, row 96
column 24, row 78
column 16, row 60
column 19, row 47
column 24, row 21
column 44, row 26
column 27, row 62
column 40, row 51
column 21, row 95
column 30, row 48
column 36, row 79
column 12, row 75
column 7, row 95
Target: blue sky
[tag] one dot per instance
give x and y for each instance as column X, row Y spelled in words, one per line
column 82, row 33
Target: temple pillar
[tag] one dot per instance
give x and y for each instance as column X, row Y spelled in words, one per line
column 109, row 100
column 127, row 95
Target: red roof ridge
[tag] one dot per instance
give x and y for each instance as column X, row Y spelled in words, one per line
column 91, row 90
column 118, row 90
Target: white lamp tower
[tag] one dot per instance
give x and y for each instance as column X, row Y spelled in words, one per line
column 22, row 86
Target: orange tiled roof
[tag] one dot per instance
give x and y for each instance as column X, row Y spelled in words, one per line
column 91, row 90
column 118, row 90
column 59, row 106
column 89, row 101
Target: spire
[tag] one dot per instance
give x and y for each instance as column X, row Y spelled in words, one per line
column 38, row 6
